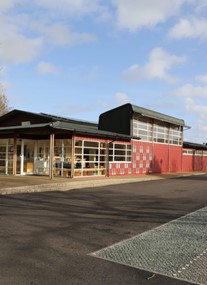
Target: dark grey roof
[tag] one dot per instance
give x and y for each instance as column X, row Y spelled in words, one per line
column 157, row 115
column 128, row 108
column 49, row 117
column 90, row 130
column 22, row 127
column 192, row 145
column 69, row 120
column 63, row 124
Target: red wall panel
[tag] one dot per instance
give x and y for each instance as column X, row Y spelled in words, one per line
column 187, row 163
column 175, row 160
column 156, row 158
column 160, row 158
column 197, row 163
column 205, row 163
column 194, row 162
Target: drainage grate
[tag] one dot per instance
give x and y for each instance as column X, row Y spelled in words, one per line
column 177, row 249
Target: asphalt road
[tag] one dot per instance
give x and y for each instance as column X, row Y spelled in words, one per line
column 47, row 238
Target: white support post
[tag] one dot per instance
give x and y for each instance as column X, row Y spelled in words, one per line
column 52, row 138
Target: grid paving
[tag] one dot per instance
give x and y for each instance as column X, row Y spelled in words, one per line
column 177, row 249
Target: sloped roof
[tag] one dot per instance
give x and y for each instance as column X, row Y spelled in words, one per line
column 128, row 109
column 156, row 115
column 192, row 145
column 58, row 123
column 46, row 117
column 69, row 120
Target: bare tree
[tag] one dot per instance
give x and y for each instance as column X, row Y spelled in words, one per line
column 4, row 107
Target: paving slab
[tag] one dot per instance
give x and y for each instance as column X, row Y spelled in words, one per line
column 177, row 249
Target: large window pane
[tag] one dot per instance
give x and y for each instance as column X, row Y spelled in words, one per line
column 90, row 157
column 120, row 152
column 142, row 128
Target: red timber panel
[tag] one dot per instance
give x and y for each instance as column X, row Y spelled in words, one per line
column 161, row 158
column 194, row 162
column 197, row 162
column 167, row 158
column 175, row 158
column 205, row 162
column 187, row 164
column 120, row 168
column 142, row 157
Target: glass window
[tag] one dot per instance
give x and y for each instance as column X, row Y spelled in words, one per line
column 160, row 133
column 142, row 128
column 175, row 136
column 148, row 130
column 120, row 152
column 6, row 156
column 63, row 157
column 90, row 158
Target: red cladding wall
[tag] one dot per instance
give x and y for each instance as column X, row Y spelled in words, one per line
column 142, row 157
column 155, row 158
column 166, row 158
column 160, row 158
column 150, row 157
column 187, row 163
column 194, row 162
column 175, row 158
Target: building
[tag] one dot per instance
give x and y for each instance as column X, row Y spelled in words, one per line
column 127, row 140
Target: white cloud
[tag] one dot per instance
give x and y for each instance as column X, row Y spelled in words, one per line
column 202, row 78
column 199, row 128
column 60, row 34
column 195, row 108
column 46, row 67
column 72, row 8
column 158, row 65
column 188, row 90
column 194, row 101
column 23, row 36
column 197, row 133
column 17, row 49
column 193, row 28
column 6, row 4
column 201, row 5
column 122, row 98
column 15, row 46
column 134, row 14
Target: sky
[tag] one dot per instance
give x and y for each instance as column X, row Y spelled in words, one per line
column 80, row 58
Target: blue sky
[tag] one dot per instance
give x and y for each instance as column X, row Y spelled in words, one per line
column 79, row 58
